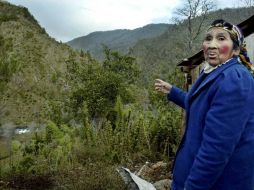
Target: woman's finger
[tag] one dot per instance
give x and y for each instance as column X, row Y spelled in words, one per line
column 158, row 84
column 159, row 80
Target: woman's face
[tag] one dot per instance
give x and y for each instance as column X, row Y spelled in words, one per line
column 218, row 46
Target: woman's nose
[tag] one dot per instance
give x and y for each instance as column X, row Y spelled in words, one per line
column 213, row 44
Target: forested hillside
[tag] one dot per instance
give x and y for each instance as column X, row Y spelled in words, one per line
column 117, row 40
column 32, row 66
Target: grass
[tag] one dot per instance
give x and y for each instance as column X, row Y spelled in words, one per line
column 4, row 147
column 86, row 157
column 63, row 163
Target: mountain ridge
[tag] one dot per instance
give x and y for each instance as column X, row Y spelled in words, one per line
column 117, row 40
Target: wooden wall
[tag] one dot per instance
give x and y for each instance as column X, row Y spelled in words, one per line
column 250, row 46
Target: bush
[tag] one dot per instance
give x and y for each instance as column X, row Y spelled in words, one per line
column 8, row 17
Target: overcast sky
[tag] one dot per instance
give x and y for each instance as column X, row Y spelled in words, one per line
column 68, row 19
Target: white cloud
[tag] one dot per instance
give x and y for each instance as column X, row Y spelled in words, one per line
column 127, row 13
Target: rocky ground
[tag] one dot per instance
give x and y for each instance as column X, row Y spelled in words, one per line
column 156, row 175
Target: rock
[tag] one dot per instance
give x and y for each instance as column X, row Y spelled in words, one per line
column 131, row 185
column 163, row 184
column 154, row 172
column 145, row 172
column 149, row 173
column 133, row 181
column 159, row 165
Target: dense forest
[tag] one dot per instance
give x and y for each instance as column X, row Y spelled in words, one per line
column 85, row 117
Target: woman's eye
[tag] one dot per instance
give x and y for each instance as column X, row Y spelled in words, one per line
column 208, row 38
column 221, row 38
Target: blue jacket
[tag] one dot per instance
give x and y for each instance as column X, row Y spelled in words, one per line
column 217, row 149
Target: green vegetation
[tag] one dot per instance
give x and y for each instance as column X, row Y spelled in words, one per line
column 89, row 116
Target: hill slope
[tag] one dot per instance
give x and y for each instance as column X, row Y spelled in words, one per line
column 32, row 66
column 118, row 40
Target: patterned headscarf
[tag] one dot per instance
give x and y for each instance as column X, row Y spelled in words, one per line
column 238, row 41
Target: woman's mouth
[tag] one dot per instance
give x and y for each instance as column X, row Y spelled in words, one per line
column 212, row 55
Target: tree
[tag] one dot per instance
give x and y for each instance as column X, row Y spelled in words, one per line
column 248, row 3
column 98, row 85
column 123, row 65
column 191, row 10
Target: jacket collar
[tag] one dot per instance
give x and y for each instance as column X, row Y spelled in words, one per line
column 204, row 79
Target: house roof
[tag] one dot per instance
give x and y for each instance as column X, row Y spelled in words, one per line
column 247, row 28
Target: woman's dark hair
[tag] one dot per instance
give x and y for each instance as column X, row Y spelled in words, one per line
column 222, row 23
column 229, row 27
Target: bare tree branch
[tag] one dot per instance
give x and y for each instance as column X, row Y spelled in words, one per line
column 191, row 10
column 248, row 3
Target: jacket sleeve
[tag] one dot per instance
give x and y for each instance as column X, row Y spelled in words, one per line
column 224, row 124
column 177, row 96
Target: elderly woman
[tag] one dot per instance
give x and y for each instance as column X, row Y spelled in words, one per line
column 217, row 149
